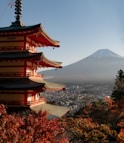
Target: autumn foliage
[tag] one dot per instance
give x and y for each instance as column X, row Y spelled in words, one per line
column 35, row 128
column 97, row 122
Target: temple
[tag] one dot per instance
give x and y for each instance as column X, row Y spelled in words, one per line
column 20, row 84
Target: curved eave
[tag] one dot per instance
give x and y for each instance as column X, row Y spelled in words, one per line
column 50, row 86
column 43, row 39
column 44, row 62
column 41, row 60
column 35, row 32
column 20, row 84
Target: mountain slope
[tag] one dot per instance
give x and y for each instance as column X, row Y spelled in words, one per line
column 100, row 66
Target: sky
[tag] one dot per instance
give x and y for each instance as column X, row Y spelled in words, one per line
column 81, row 26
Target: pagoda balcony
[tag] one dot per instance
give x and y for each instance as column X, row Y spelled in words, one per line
column 19, row 74
column 22, row 103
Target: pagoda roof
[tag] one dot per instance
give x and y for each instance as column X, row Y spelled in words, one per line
column 25, row 54
column 54, row 111
column 34, row 32
column 50, row 86
column 19, row 54
column 19, row 84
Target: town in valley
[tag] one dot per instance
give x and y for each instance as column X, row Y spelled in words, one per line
column 77, row 95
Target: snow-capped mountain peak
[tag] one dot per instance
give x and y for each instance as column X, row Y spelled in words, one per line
column 104, row 53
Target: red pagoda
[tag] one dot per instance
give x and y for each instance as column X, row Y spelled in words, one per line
column 20, row 85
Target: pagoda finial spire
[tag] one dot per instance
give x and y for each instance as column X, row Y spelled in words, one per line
column 18, row 13
column 18, row 9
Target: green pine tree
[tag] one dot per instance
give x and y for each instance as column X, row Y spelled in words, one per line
column 118, row 92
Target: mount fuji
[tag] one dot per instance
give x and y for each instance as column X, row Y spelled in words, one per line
column 101, row 66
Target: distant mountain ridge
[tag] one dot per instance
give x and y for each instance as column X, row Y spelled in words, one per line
column 102, row 65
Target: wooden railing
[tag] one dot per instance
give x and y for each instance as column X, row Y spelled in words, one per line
column 18, row 74
column 22, row 103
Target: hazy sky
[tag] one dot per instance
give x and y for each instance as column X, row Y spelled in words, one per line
column 81, row 26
